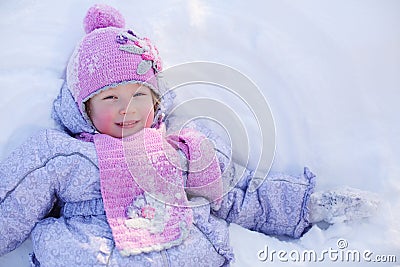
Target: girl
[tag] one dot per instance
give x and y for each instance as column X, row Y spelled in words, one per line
column 129, row 194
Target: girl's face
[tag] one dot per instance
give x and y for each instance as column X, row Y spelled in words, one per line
column 123, row 110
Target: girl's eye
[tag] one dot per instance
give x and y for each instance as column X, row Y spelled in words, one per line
column 138, row 94
column 109, row 97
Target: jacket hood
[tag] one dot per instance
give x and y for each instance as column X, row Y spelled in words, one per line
column 67, row 115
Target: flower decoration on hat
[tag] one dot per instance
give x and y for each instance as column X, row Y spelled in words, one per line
column 131, row 43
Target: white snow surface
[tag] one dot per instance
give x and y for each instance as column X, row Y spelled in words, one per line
column 330, row 71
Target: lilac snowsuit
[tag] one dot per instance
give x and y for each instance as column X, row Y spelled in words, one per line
column 55, row 167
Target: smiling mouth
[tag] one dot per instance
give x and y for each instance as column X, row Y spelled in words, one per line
column 127, row 124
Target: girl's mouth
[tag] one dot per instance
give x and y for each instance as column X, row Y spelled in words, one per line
column 127, row 124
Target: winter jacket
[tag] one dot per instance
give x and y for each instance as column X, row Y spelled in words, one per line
column 56, row 168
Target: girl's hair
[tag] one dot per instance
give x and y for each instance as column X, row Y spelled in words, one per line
column 156, row 100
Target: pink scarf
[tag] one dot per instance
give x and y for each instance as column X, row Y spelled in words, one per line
column 143, row 189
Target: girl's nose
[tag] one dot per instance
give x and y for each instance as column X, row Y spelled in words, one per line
column 127, row 108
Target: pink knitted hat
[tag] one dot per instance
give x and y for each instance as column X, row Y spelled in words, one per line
column 110, row 55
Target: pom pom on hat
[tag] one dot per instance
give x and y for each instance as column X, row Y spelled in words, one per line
column 102, row 16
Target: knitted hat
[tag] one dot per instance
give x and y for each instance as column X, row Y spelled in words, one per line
column 108, row 56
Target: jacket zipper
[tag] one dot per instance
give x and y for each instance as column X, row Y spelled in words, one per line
column 164, row 256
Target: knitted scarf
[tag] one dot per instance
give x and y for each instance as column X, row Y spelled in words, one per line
column 143, row 189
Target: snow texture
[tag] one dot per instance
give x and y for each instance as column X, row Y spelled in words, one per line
column 329, row 70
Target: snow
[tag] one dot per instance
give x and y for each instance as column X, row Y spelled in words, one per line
column 328, row 69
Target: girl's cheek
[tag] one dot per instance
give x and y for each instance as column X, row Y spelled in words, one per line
column 104, row 122
column 149, row 122
column 150, row 118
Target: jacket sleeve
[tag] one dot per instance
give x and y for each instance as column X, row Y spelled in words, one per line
column 203, row 174
column 276, row 205
column 26, row 193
